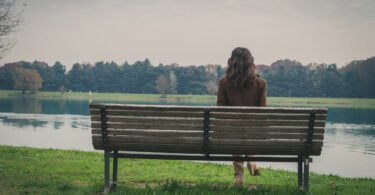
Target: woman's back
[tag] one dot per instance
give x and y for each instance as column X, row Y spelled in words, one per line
column 252, row 95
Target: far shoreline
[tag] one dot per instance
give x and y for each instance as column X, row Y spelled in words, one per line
column 190, row 99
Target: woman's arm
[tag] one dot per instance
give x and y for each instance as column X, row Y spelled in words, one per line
column 263, row 95
column 221, row 99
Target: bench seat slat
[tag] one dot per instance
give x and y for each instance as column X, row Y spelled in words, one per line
column 264, row 116
column 189, row 149
column 151, row 133
column 216, row 126
column 148, row 107
column 250, row 123
column 175, row 133
column 154, row 120
column 152, row 140
column 214, row 150
column 212, row 141
column 183, row 120
column 214, row 122
column 255, row 142
column 223, row 128
column 165, row 126
column 262, row 151
column 148, row 113
column 200, row 114
column 263, row 135
column 267, row 110
column 212, row 108
column 287, row 129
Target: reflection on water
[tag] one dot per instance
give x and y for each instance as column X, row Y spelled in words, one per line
column 348, row 150
column 357, row 137
column 44, row 120
column 22, row 122
column 41, row 106
column 46, row 131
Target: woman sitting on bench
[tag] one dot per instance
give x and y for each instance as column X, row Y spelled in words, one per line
column 241, row 86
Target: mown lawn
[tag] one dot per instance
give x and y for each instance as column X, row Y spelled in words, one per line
column 192, row 99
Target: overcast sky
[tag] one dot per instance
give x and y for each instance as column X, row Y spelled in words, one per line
column 194, row 32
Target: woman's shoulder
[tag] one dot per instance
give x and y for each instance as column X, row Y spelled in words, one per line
column 223, row 80
column 260, row 80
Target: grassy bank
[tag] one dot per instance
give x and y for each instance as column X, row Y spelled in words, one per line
column 49, row 171
column 193, row 99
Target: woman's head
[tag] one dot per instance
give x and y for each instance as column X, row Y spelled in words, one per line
column 241, row 68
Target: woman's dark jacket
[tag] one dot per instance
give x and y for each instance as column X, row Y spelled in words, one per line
column 253, row 95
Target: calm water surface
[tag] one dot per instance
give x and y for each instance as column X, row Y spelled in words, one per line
column 348, row 150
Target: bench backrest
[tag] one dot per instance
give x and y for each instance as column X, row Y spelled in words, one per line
column 209, row 129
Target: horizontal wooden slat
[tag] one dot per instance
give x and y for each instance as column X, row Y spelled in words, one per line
column 262, row 143
column 211, row 108
column 222, row 128
column 200, row 114
column 237, row 143
column 174, row 133
column 151, row 133
column 210, row 158
column 262, row 135
column 148, row 113
column 147, row 107
column 193, row 149
column 213, row 122
column 213, row 150
column 240, row 129
column 267, row 109
column 261, row 151
column 151, row 140
column 264, row 116
column 155, row 120
column 165, row 126
column 233, row 122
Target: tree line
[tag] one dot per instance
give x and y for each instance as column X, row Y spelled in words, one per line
column 285, row 78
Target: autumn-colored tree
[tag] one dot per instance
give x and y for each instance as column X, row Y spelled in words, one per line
column 162, row 85
column 211, row 87
column 26, row 80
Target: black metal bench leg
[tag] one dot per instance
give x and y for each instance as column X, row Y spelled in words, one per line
column 107, row 186
column 115, row 169
column 306, row 175
column 300, row 172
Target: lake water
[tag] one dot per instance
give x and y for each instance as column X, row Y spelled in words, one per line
column 348, row 150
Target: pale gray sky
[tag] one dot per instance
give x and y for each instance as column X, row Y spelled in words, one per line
column 194, row 32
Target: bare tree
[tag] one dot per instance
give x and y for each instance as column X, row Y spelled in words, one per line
column 10, row 18
column 172, row 82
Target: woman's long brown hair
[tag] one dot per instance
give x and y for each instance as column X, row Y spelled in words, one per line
column 241, row 68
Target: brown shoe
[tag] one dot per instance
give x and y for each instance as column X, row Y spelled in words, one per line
column 256, row 171
column 253, row 170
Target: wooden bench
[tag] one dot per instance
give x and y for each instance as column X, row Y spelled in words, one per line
column 212, row 133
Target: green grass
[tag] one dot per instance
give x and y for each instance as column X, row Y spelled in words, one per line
column 193, row 99
column 49, row 171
